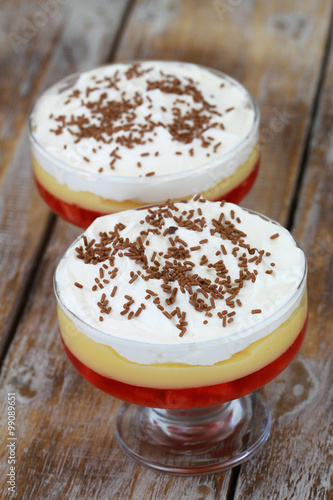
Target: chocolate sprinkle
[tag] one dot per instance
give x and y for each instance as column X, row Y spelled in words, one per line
column 173, row 271
column 118, row 120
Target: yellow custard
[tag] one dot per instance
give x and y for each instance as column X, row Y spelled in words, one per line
column 91, row 201
column 107, row 362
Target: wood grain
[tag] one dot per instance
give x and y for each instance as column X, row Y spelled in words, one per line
column 73, row 38
column 298, row 456
column 66, row 445
column 275, row 49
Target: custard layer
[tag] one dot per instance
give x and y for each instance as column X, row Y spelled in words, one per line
column 91, row 201
column 107, row 362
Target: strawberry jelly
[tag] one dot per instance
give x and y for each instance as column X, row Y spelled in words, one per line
column 192, row 397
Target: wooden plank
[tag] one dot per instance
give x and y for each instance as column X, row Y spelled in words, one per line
column 66, row 444
column 274, row 48
column 73, row 37
column 25, row 48
column 298, row 456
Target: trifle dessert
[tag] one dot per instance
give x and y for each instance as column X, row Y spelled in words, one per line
column 182, row 305
column 133, row 134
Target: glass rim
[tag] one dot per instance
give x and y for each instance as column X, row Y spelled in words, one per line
column 183, row 344
column 225, row 157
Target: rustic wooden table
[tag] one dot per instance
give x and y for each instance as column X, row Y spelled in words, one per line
column 65, row 443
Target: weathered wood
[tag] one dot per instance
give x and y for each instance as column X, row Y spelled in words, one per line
column 298, row 456
column 275, row 49
column 40, row 46
column 66, row 446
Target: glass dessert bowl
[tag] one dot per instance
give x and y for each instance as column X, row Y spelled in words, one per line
column 183, row 311
column 133, row 134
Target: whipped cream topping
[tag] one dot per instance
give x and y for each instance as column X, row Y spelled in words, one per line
column 143, row 122
column 188, row 282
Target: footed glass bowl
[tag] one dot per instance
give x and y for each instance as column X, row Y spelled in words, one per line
column 183, row 418
column 72, row 182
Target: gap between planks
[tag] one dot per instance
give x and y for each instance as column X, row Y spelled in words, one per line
column 22, row 301
column 120, row 31
column 311, row 128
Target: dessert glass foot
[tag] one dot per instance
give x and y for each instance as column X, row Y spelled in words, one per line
column 194, row 441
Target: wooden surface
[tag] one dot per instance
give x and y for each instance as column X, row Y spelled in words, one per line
column 282, row 51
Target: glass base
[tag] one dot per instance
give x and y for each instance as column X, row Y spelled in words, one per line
column 195, row 441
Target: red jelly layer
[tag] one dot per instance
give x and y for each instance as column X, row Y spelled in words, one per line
column 193, row 397
column 239, row 192
column 83, row 217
